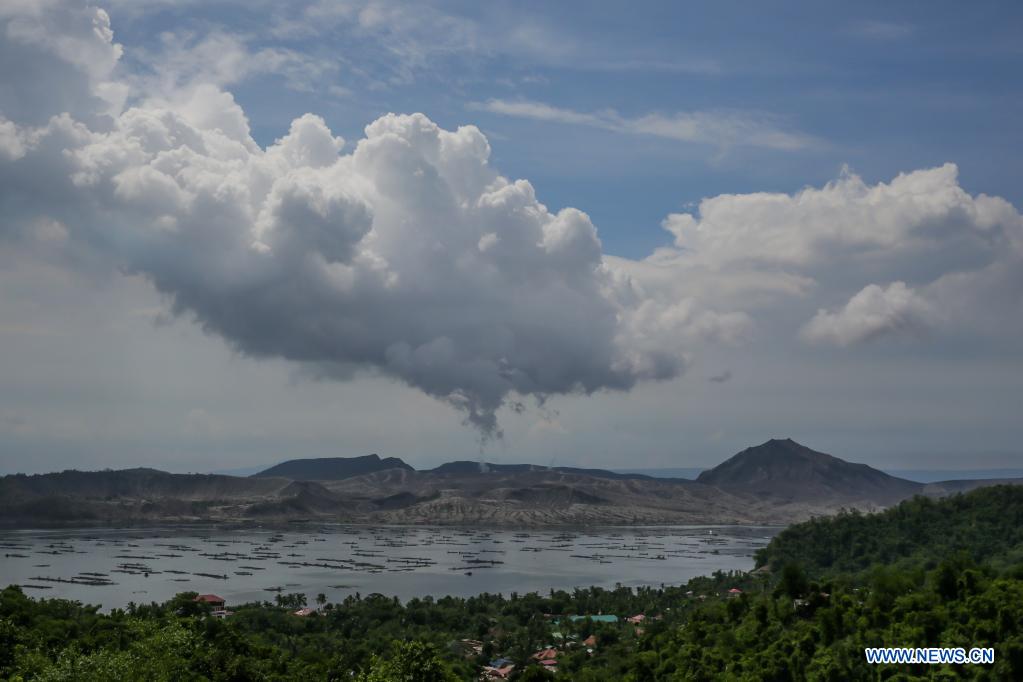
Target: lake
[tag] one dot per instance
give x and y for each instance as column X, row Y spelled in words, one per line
column 114, row 567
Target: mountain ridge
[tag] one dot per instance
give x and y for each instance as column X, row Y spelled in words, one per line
column 331, row 468
column 776, row 482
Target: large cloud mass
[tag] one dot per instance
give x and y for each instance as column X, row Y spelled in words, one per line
column 411, row 256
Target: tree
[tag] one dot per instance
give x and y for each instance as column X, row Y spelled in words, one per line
column 409, row 662
column 534, row 673
column 945, row 581
column 793, row 581
column 295, row 600
column 8, row 639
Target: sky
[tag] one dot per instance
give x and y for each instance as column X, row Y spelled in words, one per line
column 622, row 235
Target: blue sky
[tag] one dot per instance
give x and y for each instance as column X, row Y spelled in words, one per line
column 881, row 87
column 807, row 217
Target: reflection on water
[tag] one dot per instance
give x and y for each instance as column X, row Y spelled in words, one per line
column 114, row 567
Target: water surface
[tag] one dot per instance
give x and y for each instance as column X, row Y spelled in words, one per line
column 114, row 567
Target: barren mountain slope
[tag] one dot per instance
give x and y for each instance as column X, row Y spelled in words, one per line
column 778, row 482
column 786, row 471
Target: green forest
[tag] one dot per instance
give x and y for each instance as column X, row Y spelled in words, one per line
column 925, row 573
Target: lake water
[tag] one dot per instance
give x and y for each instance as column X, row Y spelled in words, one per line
column 113, row 567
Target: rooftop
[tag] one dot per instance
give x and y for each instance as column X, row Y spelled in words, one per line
column 210, row 599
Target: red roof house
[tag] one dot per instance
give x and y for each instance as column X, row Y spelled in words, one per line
column 211, row 599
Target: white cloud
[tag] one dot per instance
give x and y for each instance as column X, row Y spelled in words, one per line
column 400, row 39
column 409, row 256
column 58, row 57
column 11, row 145
column 543, row 112
column 951, row 255
column 720, row 129
column 183, row 61
column 916, row 212
column 418, row 36
column 871, row 313
column 399, row 42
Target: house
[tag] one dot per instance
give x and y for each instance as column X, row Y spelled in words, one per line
column 222, row 613
column 550, row 664
column 596, row 619
column 547, row 654
column 498, row 673
column 590, row 642
column 213, row 600
column 636, row 620
column 305, row 612
column 734, row 592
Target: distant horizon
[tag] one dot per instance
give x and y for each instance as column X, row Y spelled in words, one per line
column 920, row 474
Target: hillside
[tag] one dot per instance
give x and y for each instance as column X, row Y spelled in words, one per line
column 985, row 525
column 331, row 468
column 787, row 471
column 538, row 496
column 142, row 495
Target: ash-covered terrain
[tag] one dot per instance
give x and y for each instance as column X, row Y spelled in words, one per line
column 777, row 482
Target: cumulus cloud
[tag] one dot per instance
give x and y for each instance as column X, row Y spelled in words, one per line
column 917, row 212
column 58, row 57
column 950, row 256
column 409, row 255
column 873, row 312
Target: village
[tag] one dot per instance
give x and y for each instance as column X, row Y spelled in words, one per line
column 568, row 634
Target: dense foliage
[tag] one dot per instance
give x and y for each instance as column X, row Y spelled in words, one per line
column 987, row 524
column 928, row 573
